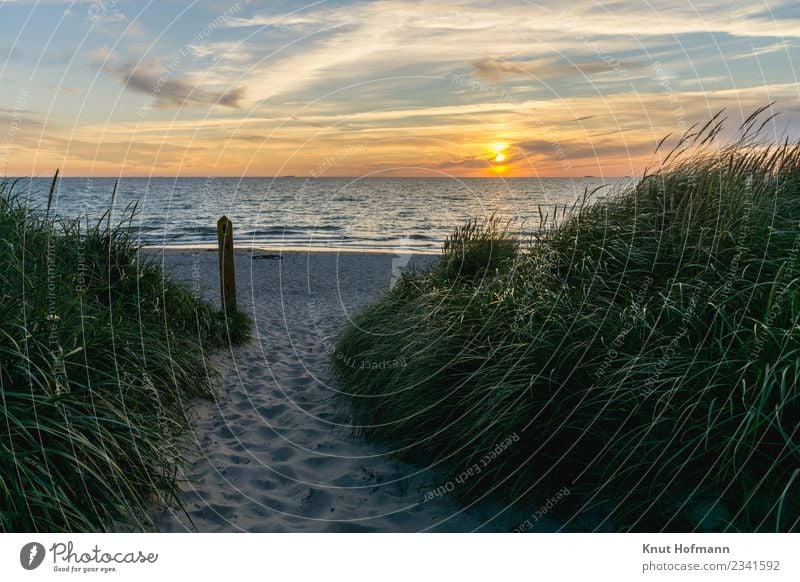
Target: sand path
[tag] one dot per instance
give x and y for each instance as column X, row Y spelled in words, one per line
column 275, row 453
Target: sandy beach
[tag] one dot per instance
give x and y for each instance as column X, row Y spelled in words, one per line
column 276, row 452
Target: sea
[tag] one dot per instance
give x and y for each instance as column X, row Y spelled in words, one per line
column 297, row 213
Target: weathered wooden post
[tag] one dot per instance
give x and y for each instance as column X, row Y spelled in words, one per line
column 227, row 276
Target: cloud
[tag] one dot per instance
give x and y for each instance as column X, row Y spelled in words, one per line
column 100, row 55
column 232, row 51
column 168, row 91
column 65, row 89
column 755, row 52
column 282, row 21
column 56, row 58
column 107, row 16
column 554, row 151
column 493, row 69
column 12, row 52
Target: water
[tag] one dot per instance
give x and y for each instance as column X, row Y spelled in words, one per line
column 414, row 214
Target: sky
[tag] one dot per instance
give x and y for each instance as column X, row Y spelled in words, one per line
column 386, row 88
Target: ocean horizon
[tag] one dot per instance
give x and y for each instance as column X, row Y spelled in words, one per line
column 363, row 213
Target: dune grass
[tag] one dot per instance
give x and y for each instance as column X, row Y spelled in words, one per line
column 100, row 355
column 645, row 350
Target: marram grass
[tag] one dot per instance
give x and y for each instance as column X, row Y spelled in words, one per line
column 100, row 356
column 645, row 350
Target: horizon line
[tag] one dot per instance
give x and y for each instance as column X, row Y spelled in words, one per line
column 295, row 177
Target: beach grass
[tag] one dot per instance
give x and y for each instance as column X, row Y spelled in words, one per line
column 100, row 357
column 645, row 350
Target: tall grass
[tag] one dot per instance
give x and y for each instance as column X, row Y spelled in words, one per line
column 646, row 351
column 100, row 355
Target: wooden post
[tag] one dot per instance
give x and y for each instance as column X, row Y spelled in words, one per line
column 227, row 276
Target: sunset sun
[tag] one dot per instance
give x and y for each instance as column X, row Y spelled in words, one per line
column 498, row 151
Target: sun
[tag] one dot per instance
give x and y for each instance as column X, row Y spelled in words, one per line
column 497, row 158
column 498, row 151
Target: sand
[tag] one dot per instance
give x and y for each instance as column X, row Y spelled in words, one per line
column 276, row 452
